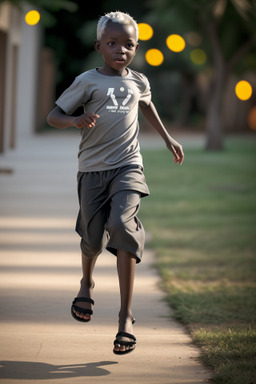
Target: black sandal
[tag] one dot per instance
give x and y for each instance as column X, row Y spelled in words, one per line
column 125, row 343
column 82, row 310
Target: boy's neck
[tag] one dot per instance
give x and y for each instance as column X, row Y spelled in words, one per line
column 109, row 71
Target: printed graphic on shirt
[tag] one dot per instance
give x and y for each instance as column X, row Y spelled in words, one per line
column 121, row 107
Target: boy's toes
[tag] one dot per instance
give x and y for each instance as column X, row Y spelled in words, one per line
column 117, row 347
column 84, row 316
column 87, row 317
column 120, row 348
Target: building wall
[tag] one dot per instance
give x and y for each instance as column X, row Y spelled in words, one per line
column 19, row 50
column 9, row 42
column 28, row 71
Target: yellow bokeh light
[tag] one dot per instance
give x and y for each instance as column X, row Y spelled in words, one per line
column 243, row 90
column 198, row 56
column 145, row 31
column 175, row 43
column 32, row 17
column 154, row 57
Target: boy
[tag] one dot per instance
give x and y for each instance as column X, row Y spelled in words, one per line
column 110, row 178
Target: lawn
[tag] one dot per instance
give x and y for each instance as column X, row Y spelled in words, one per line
column 202, row 219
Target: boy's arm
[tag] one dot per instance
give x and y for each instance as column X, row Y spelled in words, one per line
column 59, row 119
column 150, row 113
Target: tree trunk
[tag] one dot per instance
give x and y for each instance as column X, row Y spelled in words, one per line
column 214, row 129
column 213, row 115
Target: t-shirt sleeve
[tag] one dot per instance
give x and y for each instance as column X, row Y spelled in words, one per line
column 73, row 97
column 145, row 98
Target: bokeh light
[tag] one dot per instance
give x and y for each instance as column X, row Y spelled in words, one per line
column 32, row 17
column 145, row 31
column 194, row 39
column 243, row 90
column 154, row 57
column 198, row 56
column 175, row 43
column 252, row 119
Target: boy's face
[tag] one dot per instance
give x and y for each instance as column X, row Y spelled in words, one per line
column 118, row 47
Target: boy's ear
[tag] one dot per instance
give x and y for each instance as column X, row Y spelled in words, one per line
column 97, row 45
column 137, row 47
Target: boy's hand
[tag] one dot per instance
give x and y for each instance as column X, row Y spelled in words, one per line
column 177, row 151
column 87, row 120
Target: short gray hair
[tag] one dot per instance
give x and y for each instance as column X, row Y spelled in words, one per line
column 116, row 17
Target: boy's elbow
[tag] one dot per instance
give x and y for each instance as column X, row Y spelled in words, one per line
column 51, row 118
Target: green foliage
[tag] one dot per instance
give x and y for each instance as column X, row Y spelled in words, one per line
column 48, row 8
column 87, row 32
column 53, row 5
column 235, row 22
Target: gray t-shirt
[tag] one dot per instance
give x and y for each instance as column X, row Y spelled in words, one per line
column 113, row 142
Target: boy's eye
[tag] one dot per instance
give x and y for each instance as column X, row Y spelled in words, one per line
column 130, row 45
column 111, row 43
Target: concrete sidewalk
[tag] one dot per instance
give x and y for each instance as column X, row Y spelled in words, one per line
column 40, row 273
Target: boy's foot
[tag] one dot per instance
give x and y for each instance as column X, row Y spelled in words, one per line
column 123, row 343
column 84, row 292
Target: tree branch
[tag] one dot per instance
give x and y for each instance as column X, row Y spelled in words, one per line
column 240, row 53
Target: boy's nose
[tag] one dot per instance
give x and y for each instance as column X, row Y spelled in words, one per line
column 121, row 49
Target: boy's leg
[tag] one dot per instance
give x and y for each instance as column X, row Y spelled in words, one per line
column 126, row 232
column 90, row 226
column 126, row 271
column 91, row 248
column 86, row 284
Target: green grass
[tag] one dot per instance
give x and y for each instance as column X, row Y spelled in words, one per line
column 202, row 218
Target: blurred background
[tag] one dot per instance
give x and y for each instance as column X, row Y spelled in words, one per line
column 195, row 85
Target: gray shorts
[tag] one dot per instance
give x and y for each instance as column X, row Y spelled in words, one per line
column 109, row 204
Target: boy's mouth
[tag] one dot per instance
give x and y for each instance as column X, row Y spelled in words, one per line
column 119, row 60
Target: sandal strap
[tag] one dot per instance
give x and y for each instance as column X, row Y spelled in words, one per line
column 82, row 310
column 123, row 342
column 83, row 299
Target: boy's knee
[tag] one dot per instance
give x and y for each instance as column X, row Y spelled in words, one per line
column 94, row 248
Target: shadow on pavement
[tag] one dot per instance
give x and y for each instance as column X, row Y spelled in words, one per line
column 26, row 370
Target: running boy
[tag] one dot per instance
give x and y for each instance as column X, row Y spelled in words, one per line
column 110, row 178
